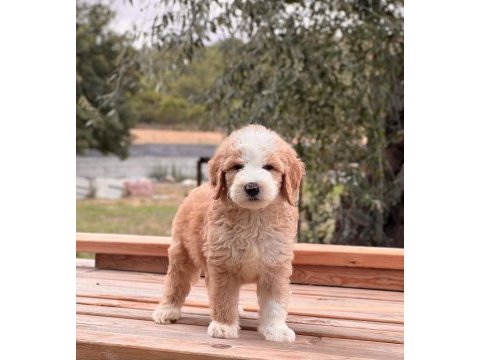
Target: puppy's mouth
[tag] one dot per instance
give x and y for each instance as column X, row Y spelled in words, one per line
column 252, row 202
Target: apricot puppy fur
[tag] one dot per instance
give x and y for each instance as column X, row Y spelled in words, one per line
column 239, row 228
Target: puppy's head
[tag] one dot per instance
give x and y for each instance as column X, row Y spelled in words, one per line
column 253, row 167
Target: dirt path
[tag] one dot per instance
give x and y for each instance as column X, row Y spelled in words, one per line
column 152, row 136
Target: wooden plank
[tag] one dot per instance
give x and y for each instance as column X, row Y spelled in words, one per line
column 114, row 309
column 344, row 329
column 383, row 279
column 357, row 324
column 104, row 346
column 123, row 244
column 139, row 334
column 331, row 307
column 305, row 254
column 138, row 277
column 248, row 291
column 348, row 256
column 151, row 264
column 348, row 277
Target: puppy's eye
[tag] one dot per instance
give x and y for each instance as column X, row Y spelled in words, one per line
column 268, row 167
column 238, row 167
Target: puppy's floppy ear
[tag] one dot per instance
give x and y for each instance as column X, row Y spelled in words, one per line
column 216, row 174
column 292, row 176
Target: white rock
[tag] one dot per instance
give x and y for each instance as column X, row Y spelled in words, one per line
column 108, row 188
column 84, row 188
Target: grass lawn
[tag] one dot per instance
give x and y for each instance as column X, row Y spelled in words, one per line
column 140, row 216
column 125, row 218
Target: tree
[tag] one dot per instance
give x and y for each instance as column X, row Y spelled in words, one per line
column 170, row 96
column 106, row 80
column 327, row 75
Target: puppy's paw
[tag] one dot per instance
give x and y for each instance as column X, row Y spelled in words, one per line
column 277, row 333
column 165, row 314
column 224, row 331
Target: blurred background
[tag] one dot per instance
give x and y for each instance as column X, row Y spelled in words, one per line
column 161, row 83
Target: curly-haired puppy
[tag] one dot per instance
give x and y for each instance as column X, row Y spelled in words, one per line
column 239, row 228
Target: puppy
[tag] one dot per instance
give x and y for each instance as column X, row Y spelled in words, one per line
column 239, row 228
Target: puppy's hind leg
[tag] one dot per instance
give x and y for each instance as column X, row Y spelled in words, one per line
column 180, row 275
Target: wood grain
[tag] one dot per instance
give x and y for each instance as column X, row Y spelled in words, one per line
column 320, row 306
column 173, row 338
column 304, row 319
column 348, row 256
column 344, row 329
column 123, row 244
column 348, row 277
column 333, row 323
column 305, row 254
column 150, row 264
column 88, row 270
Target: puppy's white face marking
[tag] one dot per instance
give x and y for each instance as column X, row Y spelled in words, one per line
column 254, row 186
column 255, row 144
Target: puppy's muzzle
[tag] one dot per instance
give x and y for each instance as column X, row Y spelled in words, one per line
column 252, row 189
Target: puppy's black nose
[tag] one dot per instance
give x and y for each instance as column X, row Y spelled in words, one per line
column 252, row 189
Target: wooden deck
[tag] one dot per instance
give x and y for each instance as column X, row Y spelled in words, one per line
column 114, row 310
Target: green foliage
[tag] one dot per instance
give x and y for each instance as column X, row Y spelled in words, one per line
column 119, row 86
column 172, row 96
column 106, row 79
column 327, row 75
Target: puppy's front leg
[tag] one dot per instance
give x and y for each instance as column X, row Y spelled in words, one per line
column 223, row 293
column 273, row 292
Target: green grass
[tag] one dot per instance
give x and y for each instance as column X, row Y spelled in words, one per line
column 139, row 216
column 125, row 218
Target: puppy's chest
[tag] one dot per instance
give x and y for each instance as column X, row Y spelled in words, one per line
column 249, row 248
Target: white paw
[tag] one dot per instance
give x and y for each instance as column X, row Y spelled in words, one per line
column 224, row 331
column 165, row 314
column 277, row 333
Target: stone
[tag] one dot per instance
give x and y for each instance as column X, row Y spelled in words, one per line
column 108, row 188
